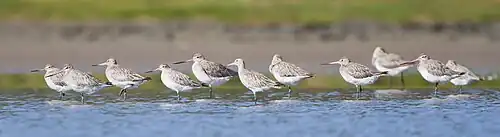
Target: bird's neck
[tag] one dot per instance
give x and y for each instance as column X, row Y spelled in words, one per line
column 377, row 54
column 241, row 67
column 165, row 71
column 275, row 61
column 345, row 64
column 50, row 71
column 112, row 66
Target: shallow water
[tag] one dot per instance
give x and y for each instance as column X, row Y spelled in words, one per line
column 379, row 113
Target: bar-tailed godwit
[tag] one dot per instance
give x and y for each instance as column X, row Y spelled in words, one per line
column 81, row 82
column 176, row 80
column 390, row 62
column 433, row 71
column 255, row 81
column 123, row 78
column 463, row 80
column 287, row 73
column 55, row 82
column 208, row 72
column 356, row 74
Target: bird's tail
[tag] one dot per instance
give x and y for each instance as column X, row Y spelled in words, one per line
column 478, row 78
column 107, row 84
column 278, row 85
column 144, row 79
column 306, row 76
column 102, row 86
column 147, row 78
column 310, row 75
column 381, row 73
column 458, row 75
column 205, row 85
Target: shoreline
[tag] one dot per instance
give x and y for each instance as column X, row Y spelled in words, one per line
column 327, row 81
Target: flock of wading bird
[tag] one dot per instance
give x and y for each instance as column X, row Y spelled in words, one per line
column 211, row 74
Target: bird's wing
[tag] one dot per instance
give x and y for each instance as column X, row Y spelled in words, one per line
column 183, row 79
column 439, row 69
column 359, row 71
column 256, row 79
column 285, row 69
column 84, row 79
column 390, row 61
column 124, row 74
column 460, row 68
column 56, row 79
column 217, row 70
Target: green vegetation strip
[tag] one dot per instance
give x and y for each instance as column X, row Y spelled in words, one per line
column 252, row 11
column 36, row 81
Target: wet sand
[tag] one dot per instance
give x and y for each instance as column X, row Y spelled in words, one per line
column 142, row 46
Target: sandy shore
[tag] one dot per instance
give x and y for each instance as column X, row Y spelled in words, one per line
column 144, row 46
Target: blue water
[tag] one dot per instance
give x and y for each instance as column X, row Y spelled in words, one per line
column 380, row 113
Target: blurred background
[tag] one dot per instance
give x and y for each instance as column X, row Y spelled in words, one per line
column 141, row 34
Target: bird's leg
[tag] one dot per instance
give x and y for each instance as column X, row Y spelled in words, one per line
column 121, row 92
column 124, row 93
column 358, row 89
column 459, row 89
column 210, row 90
column 289, row 91
column 61, row 95
column 255, row 97
column 403, row 81
column 82, row 98
column 436, row 88
column 178, row 97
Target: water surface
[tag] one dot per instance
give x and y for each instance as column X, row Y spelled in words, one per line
column 379, row 113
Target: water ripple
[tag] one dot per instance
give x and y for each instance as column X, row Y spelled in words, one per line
column 380, row 113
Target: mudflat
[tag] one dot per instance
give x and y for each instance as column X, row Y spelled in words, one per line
column 142, row 46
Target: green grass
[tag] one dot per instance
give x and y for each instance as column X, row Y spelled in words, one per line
column 35, row 81
column 252, row 11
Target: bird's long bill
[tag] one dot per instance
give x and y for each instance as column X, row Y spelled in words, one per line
column 413, row 62
column 231, row 64
column 151, row 71
column 60, row 71
column 330, row 63
column 100, row 64
column 184, row 61
column 36, row 70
